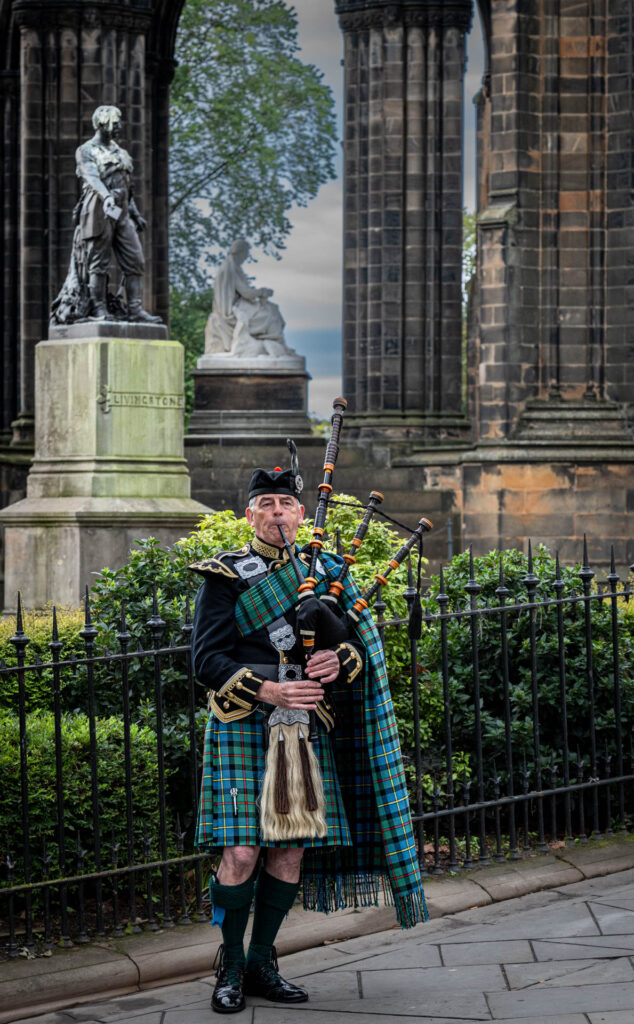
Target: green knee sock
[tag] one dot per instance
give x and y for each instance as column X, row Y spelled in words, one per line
column 273, row 900
column 235, row 900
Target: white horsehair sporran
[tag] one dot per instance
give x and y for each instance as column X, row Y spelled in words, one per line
column 292, row 801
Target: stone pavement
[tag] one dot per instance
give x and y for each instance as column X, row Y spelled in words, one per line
column 559, row 957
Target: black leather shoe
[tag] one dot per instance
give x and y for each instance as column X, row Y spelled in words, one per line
column 263, row 979
column 228, row 994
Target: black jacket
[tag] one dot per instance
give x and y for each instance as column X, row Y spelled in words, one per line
column 233, row 666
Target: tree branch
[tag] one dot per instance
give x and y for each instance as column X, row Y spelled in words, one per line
column 213, row 173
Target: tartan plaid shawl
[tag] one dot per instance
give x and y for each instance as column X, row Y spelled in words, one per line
column 369, row 765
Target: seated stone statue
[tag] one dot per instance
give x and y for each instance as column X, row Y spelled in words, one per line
column 243, row 323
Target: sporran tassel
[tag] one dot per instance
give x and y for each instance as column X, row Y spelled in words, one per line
column 292, row 803
column 309, row 786
column 281, row 776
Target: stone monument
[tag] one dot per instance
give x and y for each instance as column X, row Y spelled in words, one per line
column 107, row 223
column 109, row 466
column 248, row 381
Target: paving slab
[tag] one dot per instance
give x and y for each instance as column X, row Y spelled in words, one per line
column 434, row 991
column 130, row 1007
column 603, row 947
column 53, row 1018
column 465, row 1006
column 558, row 1018
column 49, row 1018
column 202, row 1014
column 612, row 920
column 571, row 919
column 278, row 1015
column 312, row 961
column 481, row 978
column 567, row 999
column 480, row 920
column 619, row 902
column 486, row 952
column 410, row 956
column 571, row 972
column 330, row 988
column 611, row 1017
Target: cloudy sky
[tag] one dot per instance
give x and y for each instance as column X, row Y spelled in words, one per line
column 307, row 281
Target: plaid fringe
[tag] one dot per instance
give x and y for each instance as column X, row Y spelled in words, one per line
column 369, row 765
column 328, row 893
column 342, row 892
column 411, row 909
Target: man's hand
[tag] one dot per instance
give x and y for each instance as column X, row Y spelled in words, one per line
column 298, row 694
column 140, row 223
column 324, row 666
column 110, row 208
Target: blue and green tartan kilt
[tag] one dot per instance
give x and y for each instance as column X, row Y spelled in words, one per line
column 234, row 758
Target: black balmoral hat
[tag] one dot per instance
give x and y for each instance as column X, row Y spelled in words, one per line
column 277, row 481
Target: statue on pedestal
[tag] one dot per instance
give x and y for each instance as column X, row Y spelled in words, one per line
column 107, row 222
column 243, row 322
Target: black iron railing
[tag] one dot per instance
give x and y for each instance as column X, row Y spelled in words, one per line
column 536, row 797
column 511, row 797
column 87, row 879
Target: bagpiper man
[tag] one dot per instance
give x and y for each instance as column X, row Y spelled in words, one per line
column 335, row 809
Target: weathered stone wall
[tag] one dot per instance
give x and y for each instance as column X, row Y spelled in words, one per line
column 555, row 265
column 403, row 216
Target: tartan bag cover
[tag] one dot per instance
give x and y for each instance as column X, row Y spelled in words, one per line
column 369, row 765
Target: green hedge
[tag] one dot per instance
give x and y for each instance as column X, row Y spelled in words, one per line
column 515, row 566
column 40, row 739
column 176, row 585
column 39, row 685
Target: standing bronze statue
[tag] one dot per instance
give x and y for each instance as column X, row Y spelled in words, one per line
column 108, row 222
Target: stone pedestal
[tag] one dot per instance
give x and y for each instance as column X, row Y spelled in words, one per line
column 264, row 397
column 109, row 465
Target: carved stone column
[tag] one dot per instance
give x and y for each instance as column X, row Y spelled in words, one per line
column 404, row 67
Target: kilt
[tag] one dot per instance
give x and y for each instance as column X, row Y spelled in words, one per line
column 234, row 758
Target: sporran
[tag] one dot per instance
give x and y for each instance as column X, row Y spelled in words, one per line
column 292, row 802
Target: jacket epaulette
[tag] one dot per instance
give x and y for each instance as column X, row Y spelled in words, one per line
column 220, row 564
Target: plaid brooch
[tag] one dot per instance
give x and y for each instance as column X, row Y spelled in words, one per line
column 369, row 765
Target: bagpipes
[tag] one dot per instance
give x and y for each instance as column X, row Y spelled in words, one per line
column 292, row 802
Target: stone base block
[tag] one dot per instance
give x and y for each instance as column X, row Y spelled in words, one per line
column 54, row 546
column 108, row 329
column 109, row 417
column 250, row 401
column 558, row 420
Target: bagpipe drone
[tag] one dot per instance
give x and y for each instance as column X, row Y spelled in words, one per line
column 293, row 804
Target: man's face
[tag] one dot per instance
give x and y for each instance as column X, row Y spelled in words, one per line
column 273, row 510
column 112, row 130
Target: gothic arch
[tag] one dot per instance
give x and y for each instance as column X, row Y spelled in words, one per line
column 484, row 7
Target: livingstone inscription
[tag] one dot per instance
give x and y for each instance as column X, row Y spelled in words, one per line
column 109, row 399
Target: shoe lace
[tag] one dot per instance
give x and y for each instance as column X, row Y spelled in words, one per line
column 227, row 970
column 272, row 968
